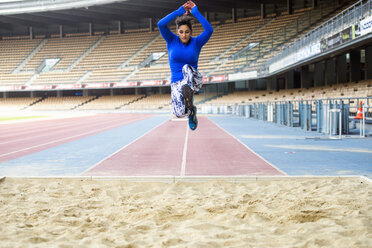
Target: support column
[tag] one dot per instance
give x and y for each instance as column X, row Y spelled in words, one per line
column 289, row 80
column 355, row 66
column 151, row 25
column 61, row 34
column 6, row 94
column 32, row 94
column 206, row 15
column 136, row 91
column 233, row 13
column 162, row 90
column 85, row 93
column 306, row 77
column 319, row 74
column 341, row 69
column 261, row 84
column 368, row 64
column 120, row 27
column 252, row 85
column 263, row 11
column 330, row 72
column 31, row 32
column 59, row 93
column 91, row 31
column 271, row 83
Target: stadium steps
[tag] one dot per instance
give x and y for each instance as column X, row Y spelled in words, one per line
column 206, row 100
column 212, row 98
column 32, row 79
column 85, row 76
column 35, row 102
column 29, row 57
column 127, row 104
column 131, row 74
column 224, row 61
column 242, row 40
column 83, row 103
column 126, row 63
column 91, row 48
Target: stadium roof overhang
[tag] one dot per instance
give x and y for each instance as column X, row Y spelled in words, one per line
column 18, row 15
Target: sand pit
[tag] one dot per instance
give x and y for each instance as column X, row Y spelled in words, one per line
column 319, row 212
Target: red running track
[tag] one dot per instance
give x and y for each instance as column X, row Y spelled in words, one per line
column 21, row 139
column 213, row 152
column 158, row 152
column 208, row 151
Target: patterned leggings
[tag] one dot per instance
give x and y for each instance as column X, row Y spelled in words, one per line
column 191, row 77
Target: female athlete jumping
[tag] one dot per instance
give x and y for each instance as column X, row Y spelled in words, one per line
column 183, row 54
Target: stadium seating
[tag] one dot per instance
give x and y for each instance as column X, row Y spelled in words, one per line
column 118, row 57
column 13, row 52
column 14, row 79
column 68, row 49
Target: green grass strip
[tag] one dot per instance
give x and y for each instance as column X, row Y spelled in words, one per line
column 12, row 118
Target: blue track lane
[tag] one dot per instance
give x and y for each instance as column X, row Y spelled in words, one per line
column 73, row 158
column 298, row 152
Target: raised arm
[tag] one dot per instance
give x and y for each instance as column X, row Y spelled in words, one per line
column 208, row 30
column 163, row 24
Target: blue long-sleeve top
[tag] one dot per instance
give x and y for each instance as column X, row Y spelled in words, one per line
column 180, row 54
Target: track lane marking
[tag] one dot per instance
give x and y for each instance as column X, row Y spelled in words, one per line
column 279, row 170
column 122, row 148
column 183, row 165
column 61, row 130
column 66, row 138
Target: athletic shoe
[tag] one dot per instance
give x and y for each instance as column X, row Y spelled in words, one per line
column 193, row 121
column 188, row 94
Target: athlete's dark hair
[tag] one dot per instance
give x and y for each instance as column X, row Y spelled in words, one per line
column 184, row 20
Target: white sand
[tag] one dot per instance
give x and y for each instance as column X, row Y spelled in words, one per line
column 114, row 213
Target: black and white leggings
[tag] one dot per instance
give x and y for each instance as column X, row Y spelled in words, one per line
column 192, row 77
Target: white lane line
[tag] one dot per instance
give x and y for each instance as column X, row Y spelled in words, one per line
column 322, row 148
column 61, row 129
column 183, row 166
column 59, row 140
column 112, row 154
column 51, row 126
column 249, row 148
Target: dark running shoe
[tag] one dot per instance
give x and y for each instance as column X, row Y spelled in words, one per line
column 188, row 94
column 193, row 121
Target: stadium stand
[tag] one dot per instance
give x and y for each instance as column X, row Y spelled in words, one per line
column 113, row 58
column 116, row 58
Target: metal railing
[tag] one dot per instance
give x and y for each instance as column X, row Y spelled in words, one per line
column 345, row 19
column 310, row 115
